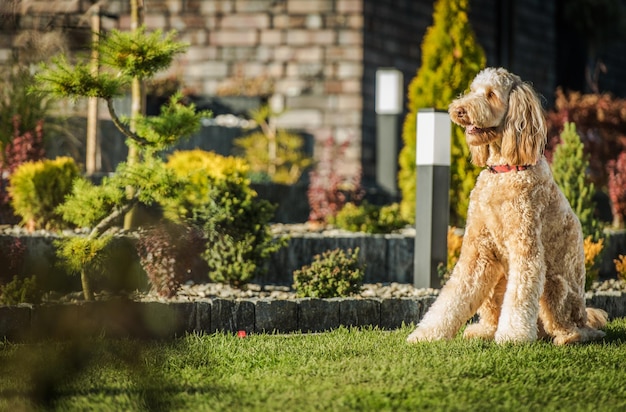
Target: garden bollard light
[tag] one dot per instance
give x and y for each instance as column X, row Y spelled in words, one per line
column 432, row 197
column 389, row 104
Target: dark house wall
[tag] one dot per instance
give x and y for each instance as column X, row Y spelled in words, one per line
column 392, row 37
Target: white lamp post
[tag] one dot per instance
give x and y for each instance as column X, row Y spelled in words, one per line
column 389, row 104
column 432, row 199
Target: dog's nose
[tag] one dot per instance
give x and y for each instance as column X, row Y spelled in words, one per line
column 460, row 112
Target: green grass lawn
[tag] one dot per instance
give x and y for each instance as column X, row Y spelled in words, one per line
column 347, row 369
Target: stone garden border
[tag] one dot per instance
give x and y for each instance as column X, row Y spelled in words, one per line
column 159, row 320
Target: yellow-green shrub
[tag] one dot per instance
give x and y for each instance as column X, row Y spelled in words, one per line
column 369, row 218
column 455, row 241
column 199, row 168
column 593, row 252
column 37, row 188
column 620, row 267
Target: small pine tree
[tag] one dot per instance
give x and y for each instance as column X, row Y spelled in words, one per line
column 569, row 167
column 123, row 57
column 451, row 58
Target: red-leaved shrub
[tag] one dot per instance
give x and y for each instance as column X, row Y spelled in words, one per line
column 601, row 123
column 25, row 146
column 617, row 189
column 170, row 255
column 328, row 190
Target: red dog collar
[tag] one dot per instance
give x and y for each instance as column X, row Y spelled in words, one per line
column 507, row 168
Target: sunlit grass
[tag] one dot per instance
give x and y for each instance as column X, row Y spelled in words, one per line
column 347, row 369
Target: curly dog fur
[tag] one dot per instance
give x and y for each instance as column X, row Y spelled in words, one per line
column 522, row 262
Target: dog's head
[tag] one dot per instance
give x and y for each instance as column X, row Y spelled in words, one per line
column 501, row 113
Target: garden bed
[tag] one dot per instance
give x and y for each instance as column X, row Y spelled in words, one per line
column 387, row 258
column 270, row 305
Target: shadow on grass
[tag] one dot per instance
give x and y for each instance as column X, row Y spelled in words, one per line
column 46, row 373
column 616, row 331
column 50, row 372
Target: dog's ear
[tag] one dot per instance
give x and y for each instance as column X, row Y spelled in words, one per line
column 524, row 135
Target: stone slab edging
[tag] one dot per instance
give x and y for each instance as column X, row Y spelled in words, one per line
column 156, row 320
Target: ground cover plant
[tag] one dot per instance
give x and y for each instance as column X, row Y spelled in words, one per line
column 346, row 369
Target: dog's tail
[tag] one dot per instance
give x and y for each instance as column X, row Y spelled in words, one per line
column 597, row 318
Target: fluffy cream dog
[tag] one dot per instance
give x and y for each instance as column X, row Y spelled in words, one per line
column 522, row 262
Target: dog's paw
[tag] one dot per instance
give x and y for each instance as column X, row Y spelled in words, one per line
column 479, row 331
column 513, row 337
column 422, row 335
column 584, row 334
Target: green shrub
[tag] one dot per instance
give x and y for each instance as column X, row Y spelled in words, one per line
column 333, row 274
column 451, row 58
column 216, row 197
column 570, row 167
column 236, row 225
column 37, row 188
column 19, row 290
column 369, row 218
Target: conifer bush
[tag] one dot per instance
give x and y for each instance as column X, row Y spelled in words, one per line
column 237, row 233
column 190, row 193
column 217, row 198
column 570, row 165
column 37, row 188
column 334, row 273
column 455, row 242
column 451, row 58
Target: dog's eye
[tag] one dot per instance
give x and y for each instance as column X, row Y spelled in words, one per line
column 491, row 94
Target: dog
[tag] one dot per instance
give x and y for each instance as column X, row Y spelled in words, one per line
column 521, row 266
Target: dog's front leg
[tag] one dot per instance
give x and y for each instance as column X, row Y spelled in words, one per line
column 471, row 280
column 526, row 277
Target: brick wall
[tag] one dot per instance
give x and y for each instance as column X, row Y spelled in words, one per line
column 312, row 51
column 321, row 55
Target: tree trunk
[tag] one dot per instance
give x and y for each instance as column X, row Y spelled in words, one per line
column 92, row 149
column 86, row 283
column 137, row 108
